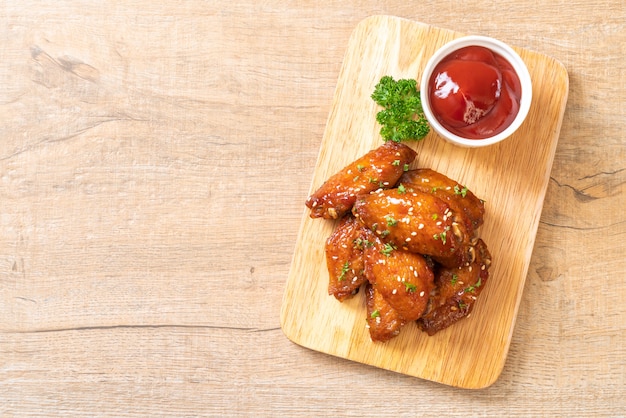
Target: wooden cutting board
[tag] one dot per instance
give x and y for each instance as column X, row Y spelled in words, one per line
column 512, row 177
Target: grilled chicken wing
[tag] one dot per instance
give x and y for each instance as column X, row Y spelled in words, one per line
column 344, row 259
column 461, row 200
column 379, row 168
column 403, row 279
column 383, row 321
column 456, row 291
column 415, row 221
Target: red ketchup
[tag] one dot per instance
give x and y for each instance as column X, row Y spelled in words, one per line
column 474, row 92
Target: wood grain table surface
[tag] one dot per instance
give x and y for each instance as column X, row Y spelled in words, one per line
column 154, row 162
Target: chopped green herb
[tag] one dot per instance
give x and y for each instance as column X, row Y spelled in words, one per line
column 462, row 304
column 375, row 314
column 361, row 243
column 355, row 178
column 385, row 233
column 461, row 191
column 396, row 162
column 410, row 287
column 388, row 249
column 360, row 167
column 405, row 167
column 455, row 278
column 472, row 288
column 435, row 216
column 434, row 189
column 373, row 180
column 402, row 118
column 344, row 270
column 391, row 221
column 401, row 189
column 441, row 236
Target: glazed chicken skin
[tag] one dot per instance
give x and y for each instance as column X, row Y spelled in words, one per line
column 456, row 291
column 459, row 197
column 383, row 321
column 403, row 279
column 344, row 259
column 417, row 222
column 379, row 168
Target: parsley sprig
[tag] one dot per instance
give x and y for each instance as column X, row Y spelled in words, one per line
column 402, row 118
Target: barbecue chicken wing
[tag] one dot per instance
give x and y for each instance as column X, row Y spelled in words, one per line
column 456, row 291
column 379, row 168
column 459, row 197
column 417, row 222
column 344, row 258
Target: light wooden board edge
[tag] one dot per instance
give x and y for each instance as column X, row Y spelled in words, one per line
column 383, row 45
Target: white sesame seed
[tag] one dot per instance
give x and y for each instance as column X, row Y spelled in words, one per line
column 438, row 223
column 344, row 246
column 378, row 319
column 394, row 291
column 408, row 239
column 413, row 233
column 425, row 180
column 421, row 293
column 314, row 203
column 415, row 274
column 420, row 226
column 349, row 171
column 334, row 257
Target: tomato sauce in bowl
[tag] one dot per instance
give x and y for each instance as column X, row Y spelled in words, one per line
column 475, row 91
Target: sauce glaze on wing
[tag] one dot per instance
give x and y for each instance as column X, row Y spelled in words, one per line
column 383, row 321
column 344, row 259
column 462, row 201
column 456, row 292
column 403, row 279
column 379, row 168
column 415, row 221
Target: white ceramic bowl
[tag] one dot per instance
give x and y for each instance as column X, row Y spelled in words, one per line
column 498, row 47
